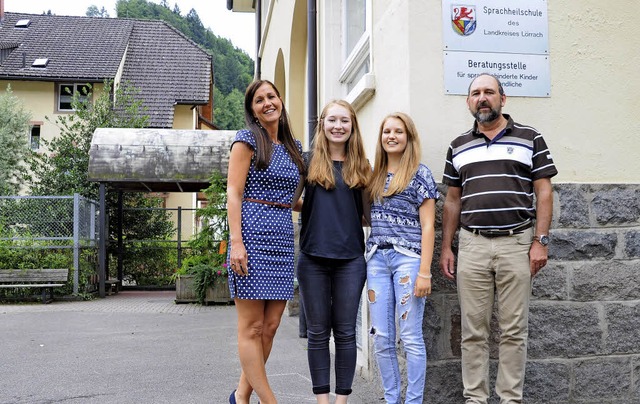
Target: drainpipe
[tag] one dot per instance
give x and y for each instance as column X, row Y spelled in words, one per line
column 103, row 233
column 312, row 68
column 258, row 69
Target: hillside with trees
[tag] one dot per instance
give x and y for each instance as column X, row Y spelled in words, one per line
column 232, row 67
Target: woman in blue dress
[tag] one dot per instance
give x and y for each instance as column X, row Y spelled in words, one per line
column 263, row 183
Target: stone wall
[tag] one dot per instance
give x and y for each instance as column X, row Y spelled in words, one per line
column 584, row 336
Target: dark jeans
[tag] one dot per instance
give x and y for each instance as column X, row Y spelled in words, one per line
column 331, row 290
column 302, row 319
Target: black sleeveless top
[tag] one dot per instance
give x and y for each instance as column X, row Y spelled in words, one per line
column 332, row 220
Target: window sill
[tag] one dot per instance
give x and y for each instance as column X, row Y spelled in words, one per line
column 362, row 91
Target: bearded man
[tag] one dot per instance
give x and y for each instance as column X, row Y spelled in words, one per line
column 493, row 172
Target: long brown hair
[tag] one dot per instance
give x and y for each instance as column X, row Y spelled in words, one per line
column 408, row 163
column 355, row 169
column 264, row 146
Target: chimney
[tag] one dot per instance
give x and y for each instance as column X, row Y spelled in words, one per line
column 1, row 10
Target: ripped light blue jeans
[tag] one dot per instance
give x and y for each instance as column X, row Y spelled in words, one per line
column 391, row 278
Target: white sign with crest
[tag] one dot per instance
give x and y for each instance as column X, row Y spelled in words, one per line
column 508, row 38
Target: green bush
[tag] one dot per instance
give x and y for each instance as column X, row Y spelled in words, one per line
column 27, row 253
column 148, row 263
column 36, row 258
column 207, row 261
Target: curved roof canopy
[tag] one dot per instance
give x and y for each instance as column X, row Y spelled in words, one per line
column 158, row 160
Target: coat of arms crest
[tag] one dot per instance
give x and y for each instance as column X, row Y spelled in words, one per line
column 463, row 19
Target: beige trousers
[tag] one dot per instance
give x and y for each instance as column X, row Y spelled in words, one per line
column 494, row 269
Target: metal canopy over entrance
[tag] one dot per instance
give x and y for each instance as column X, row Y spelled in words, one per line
column 153, row 160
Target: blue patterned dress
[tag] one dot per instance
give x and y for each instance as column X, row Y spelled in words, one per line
column 267, row 231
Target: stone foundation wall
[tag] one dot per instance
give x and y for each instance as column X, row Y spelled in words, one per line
column 584, row 335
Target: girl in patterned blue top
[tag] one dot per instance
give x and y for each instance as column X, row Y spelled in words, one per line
column 399, row 253
column 263, row 183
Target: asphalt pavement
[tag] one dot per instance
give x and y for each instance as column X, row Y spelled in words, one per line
column 142, row 347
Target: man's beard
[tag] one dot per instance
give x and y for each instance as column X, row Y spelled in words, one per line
column 484, row 117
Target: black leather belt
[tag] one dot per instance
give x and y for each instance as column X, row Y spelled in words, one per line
column 489, row 233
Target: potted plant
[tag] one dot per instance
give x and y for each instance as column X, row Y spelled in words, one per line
column 203, row 275
column 203, row 279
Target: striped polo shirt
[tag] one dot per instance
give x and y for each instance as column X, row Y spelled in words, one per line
column 497, row 176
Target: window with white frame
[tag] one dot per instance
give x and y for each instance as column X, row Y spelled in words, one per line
column 356, row 44
column 66, row 92
column 355, row 15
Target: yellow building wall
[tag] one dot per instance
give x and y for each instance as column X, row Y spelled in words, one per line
column 40, row 99
column 186, row 200
column 283, row 52
column 184, row 117
column 590, row 121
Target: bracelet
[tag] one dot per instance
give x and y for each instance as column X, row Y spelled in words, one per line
column 424, row 276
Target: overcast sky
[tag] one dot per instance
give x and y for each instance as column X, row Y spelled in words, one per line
column 238, row 27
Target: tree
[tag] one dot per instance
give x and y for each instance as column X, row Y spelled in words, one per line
column 64, row 170
column 14, row 129
column 92, row 11
column 225, row 109
column 232, row 70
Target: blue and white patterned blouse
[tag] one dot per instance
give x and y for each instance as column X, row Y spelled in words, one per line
column 395, row 220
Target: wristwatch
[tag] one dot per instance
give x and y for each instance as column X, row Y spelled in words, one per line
column 542, row 239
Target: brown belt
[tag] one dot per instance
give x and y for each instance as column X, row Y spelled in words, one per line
column 277, row 204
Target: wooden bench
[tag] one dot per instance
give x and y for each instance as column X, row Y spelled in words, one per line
column 112, row 286
column 34, row 278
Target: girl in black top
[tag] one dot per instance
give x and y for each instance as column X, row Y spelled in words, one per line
column 331, row 267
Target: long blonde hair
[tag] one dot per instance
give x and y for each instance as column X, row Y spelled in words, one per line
column 408, row 163
column 355, row 169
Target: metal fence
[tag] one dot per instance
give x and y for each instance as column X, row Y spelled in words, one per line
column 71, row 223
column 185, row 226
column 50, row 222
column 153, row 262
